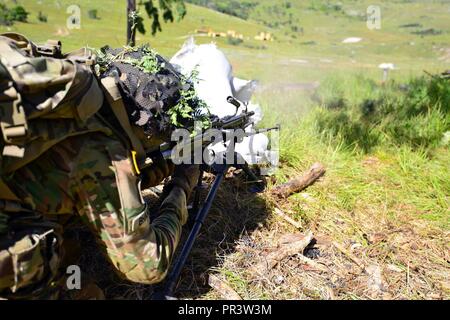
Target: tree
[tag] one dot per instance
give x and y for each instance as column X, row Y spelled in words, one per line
column 8, row 16
column 19, row 13
column 135, row 22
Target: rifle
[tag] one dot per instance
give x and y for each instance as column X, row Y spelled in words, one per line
column 241, row 121
column 200, row 211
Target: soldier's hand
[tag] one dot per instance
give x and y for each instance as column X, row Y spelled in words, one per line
column 185, row 177
column 153, row 175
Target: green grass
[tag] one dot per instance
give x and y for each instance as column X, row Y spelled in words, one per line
column 406, row 177
column 415, row 113
column 408, row 144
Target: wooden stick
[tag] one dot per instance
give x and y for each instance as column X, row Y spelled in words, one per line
column 226, row 292
column 285, row 250
column 300, row 183
column 349, row 255
column 288, row 219
column 312, row 263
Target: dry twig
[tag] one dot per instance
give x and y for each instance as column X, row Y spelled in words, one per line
column 288, row 219
column 300, row 183
column 225, row 291
column 296, row 244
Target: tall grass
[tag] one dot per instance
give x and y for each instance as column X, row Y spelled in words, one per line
column 363, row 115
column 400, row 128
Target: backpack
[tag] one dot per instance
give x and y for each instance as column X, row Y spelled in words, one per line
column 45, row 97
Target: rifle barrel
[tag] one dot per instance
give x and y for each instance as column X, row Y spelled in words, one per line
column 235, row 122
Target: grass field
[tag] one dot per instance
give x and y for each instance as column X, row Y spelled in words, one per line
column 387, row 205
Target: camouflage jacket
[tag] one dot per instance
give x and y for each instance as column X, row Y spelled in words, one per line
column 92, row 176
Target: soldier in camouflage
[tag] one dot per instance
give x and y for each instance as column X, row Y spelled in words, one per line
column 91, row 175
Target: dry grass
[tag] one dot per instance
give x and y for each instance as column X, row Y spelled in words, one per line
column 397, row 255
column 399, row 258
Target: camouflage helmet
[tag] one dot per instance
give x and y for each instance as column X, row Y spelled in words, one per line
column 149, row 85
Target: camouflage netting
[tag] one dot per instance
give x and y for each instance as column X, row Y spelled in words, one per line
column 158, row 98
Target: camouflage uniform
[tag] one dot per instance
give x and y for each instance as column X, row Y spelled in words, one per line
column 92, row 176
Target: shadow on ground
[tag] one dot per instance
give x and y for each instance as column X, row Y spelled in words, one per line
column 236, row 212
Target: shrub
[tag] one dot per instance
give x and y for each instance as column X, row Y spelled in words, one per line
column 93, row 14
column 19, row 13
column 428, row 32
column 240, row 9
column 344, row 127
column 42, row 17
column 234, row 41
column 308, row 43
column 5, row 17
column 411, row 25
column 256, row 47
column 422, row 131
column 8, row 16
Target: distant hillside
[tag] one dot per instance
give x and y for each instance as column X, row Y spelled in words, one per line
column 414, row 35
column 237, row 8
column 107, row 25
column 294, row 17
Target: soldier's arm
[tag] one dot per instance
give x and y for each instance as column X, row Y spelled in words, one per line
column 109, row 201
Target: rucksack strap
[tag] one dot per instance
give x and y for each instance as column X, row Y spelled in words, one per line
column 13, row 122
column 115, row 100
column 6, row 193
column 10, row 57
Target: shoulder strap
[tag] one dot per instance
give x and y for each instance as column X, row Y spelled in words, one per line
column 6, row 193
column 115, row 100
column 13, row 122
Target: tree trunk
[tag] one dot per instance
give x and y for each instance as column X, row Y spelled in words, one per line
column 131, row 33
